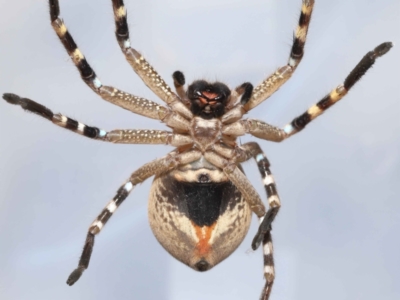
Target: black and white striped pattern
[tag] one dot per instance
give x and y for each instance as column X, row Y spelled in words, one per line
column 96, row 227
column 86, row 71
column 272, row 195
column 338, row 93
column 58, row 119
column 269, row 267
column 111, row 207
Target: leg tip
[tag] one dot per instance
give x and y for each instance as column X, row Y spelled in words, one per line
column 383, row 48
column 179, row 78
column 75, row 275
column 257, row 241
column 12, row 98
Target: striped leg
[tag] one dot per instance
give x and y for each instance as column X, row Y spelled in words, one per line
column 264, row 231
column 271, row 84
column 155, row 167
column 268, row 132
column 118, row 136
column 58, row 119
column 269, row 268
column 127, row 101
column 254, row 150
column 335, row 95
column 139, row 64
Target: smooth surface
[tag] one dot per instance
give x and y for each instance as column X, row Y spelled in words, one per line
column 337, row 234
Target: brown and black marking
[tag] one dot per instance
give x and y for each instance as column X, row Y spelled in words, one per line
column 198, row 215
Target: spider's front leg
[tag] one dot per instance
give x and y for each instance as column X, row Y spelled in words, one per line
column 339, row 92
column 271, row 84
column 269, row 132
column 113, row 95
column 139, row 64
column 155, row 167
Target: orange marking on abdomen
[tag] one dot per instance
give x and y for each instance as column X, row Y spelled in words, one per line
column 204, row 235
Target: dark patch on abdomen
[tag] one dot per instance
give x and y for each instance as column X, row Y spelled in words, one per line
column 202, row 203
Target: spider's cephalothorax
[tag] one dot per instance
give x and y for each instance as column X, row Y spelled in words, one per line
column 208, row 100
column 200, row 202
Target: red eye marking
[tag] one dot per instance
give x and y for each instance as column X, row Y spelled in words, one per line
column 204, row 101
column 209, row 95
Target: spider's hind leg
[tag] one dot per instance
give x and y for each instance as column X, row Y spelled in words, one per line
column 269, row 268
column 264, row 232
column 155, row 167
column 274, row 202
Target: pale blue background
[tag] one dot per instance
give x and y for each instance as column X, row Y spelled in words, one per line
column 337, row 234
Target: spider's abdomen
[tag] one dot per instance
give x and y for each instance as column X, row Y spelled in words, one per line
column 198, row 216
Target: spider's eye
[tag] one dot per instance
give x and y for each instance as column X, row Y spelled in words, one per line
column 198, row 93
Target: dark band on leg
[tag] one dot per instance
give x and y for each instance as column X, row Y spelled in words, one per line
column 29, row 105
column 85, row 70
column 269, row 269
column 121, row 24
column 299, row 37
column 83, row 261
column 54, row 10
column 366, row 62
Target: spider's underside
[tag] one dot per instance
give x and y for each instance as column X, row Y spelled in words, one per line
column 200, row 202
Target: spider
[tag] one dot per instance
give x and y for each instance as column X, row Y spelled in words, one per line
column 201, row 202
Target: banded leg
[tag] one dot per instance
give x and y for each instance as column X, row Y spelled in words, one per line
column 155, row 167
column 254, row 150
column 269, row 132
column 127, row 101
column 264, row 231
column 271, row 84
column 131, row 136
column 58, row 119
column 335, row 95
column 269, row 267
column 139, row 64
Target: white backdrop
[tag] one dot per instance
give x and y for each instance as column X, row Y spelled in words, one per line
column 337, row 234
